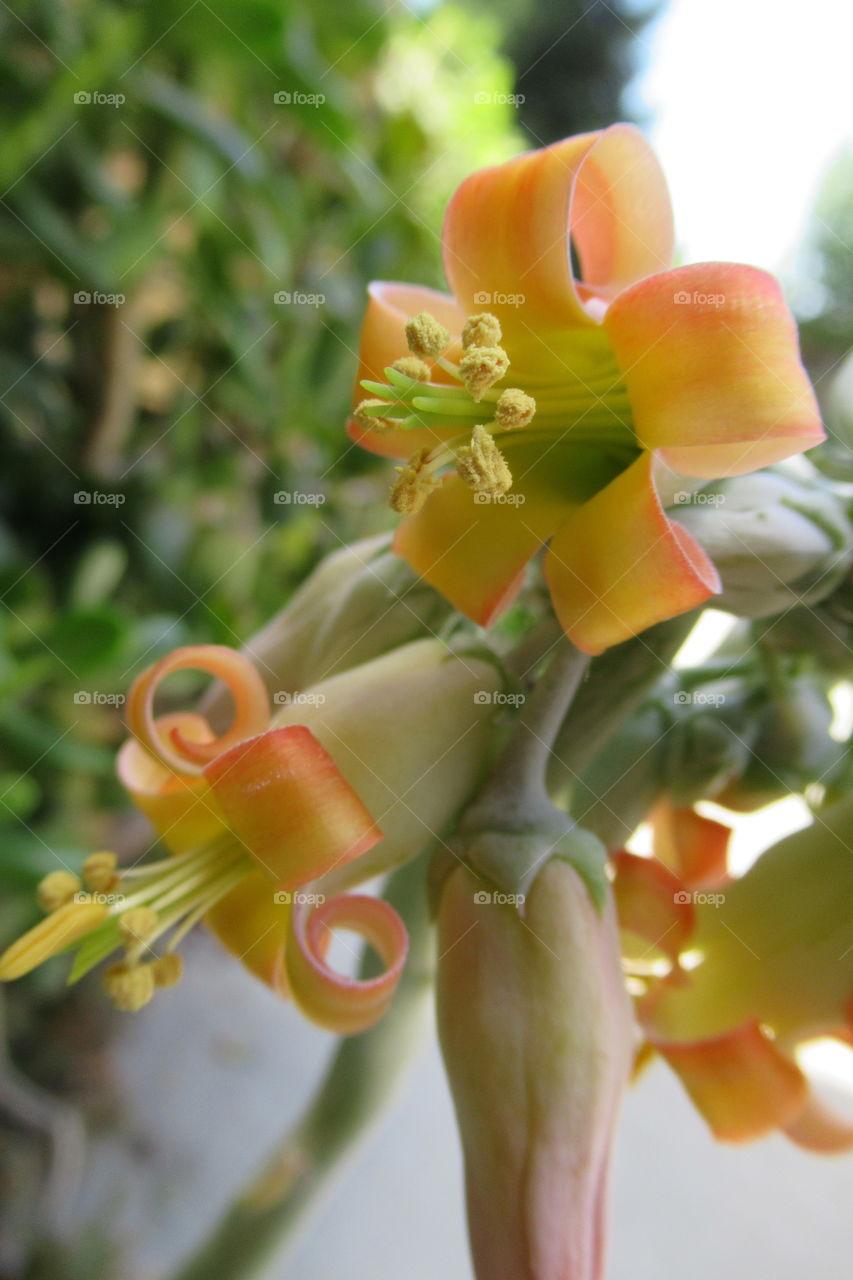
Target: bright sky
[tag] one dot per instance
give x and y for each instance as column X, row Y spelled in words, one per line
column 750, row 101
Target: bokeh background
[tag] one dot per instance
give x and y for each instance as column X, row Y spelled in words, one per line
column 192, row 198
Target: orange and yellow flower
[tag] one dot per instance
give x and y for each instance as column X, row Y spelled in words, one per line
column 739, row 976
column 267, row 825
column 618, row 369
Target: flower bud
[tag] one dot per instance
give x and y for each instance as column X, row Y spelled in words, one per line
column 778, row 537
column 536, row 1032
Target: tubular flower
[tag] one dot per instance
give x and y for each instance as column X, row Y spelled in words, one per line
column 753, row 971
column 261, row 821
column 536, row 1031
column 587, row 382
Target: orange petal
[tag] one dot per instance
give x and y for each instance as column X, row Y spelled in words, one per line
column 474, row 551
column 383, row 340
column 252, row 921
column 741, row 1083
column 819, row 1129
column 694, row 847
column 651, row 904
column 710, row 356
column 187, row 755
column 618, row 565
column 507, row 232
column 286, row 801
column 340, row 1004
column 182, row 810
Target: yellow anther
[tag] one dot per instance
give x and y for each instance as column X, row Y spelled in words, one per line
column 129, row 986
column 412, row 367
column 64, row 926
column 481, row 331
column 482, row 465
column 414, row 484
column 481, row 367
column 167, row 969
column 370, row 421
column 56, row 889
column 425, row 337
column 99, row 871
column 138, row 924
column 514, row 409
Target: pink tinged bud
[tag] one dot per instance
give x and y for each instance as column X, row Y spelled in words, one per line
column 537, row 1034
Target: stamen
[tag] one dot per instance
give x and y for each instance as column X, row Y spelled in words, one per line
column 482, row 465
column 481, row 367
column 56, row 889
column 514, row 409
column 138, row 925
column 482, row 331
column 368, row 415
column 129, row 986
column 99, row 872
column 62, row 928
column 167, row 969
column 412, row 367
column 414, row 485
column 425, row 337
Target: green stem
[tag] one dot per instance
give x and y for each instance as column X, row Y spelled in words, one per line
column 357, row 1087
column 515, row 789
column 618, row 682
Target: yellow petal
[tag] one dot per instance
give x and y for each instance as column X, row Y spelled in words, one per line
column 252, row 922
column 618, row 565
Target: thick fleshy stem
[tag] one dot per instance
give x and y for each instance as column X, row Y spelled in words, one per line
column 515, row 791
column 357, row 1088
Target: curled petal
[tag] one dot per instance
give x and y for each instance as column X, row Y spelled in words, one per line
column 710, row 357
column 742, row 1084
column 651, row 905
column 182, row 810
column 694, row 847
column 252, row 922
column 285, row 799
column 340, row 1004
column 184, row 754
column 383, row 340
column 508, row 231
column 618, row 565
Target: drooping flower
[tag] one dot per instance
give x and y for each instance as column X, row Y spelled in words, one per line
column 755, row 969
column 268, row 823
column 617, row 370
column 537, row 1034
